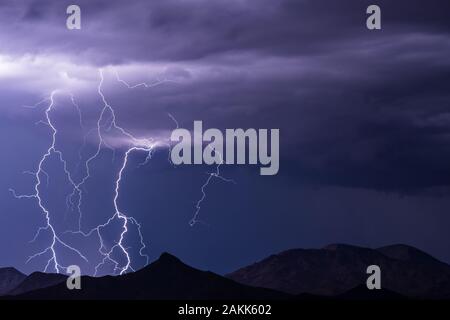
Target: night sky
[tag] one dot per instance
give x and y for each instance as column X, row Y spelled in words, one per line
column 364, row 121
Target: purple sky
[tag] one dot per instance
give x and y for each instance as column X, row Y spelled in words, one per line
column 364, row 120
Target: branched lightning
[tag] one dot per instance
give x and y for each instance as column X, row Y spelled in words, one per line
column 211, row 175
column 106, row 122
column 142, row 84
column 144, row 145
column 48, row 226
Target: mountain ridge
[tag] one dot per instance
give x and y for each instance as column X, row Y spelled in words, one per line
column 167, row 278
column 37, row 280
column 9, row 279
column 337, row 268
column 336, row 271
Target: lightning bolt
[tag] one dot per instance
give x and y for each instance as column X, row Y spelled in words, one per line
column 144, row 145
column 106, row 122
column 48, row 226
column 211, row 176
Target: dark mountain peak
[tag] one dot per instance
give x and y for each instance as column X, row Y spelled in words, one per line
column 10, row 271
column 286, row 254
column 166, row 263
column 337, row 268
column 341, row 247
column 9, row 279
column 362, row 293
column 166, row 278
column 37, row 275
column 38, row 280
column 404, row 252
column 166, row 257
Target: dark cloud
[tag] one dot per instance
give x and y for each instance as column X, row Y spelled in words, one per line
column 183, row 30
column 356, row 108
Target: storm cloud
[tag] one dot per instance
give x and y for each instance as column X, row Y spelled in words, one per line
column 355, row 108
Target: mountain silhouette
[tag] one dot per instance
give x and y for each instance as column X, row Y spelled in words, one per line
column 165, row 279
column 362, row 293
column 9, row 279
column 37, row 280
column 337, row 269
column 411, row 254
